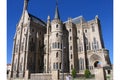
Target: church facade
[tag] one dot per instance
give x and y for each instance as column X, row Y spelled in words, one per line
column 43, row 47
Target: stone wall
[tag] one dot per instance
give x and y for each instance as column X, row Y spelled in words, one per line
column 41, row 76
column 45, row 76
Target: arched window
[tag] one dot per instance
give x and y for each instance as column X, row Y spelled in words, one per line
column 56, row 54
column 95, row 44
column 70, row 30
column 71, row 66
column 86, row 42
column 61, row 45
column 20, row 68
column 85, row 30
column 71, row 56
column 57, row 65
column 58, row 45
column 15, row 66
column 53, row 65
column 70, row 37
column 57, row 35
column 57, row 26
column 55, row 45
column 60, row 65
column 81, row 64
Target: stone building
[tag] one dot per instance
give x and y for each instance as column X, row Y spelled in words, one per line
column 41, row 47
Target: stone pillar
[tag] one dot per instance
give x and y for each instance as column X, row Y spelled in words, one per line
column 100, row 74
column 55, row 75
column 27, row 75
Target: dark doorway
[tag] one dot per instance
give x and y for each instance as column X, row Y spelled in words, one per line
column 97, row 64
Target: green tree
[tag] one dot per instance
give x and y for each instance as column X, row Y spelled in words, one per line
column 73, row 73
column 87, row 73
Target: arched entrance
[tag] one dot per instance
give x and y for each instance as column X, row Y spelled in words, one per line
column 96, row 61
column 97, row 64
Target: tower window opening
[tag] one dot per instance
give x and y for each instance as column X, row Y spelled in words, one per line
column 60, row 65
column 58, row 45
column 85, row 31
column 53, row 65
column 71, row 66
column 56, row 54
column 70, row 37
column 57, row 26
column 57, row 35
column 71, row 56
column 57, row 65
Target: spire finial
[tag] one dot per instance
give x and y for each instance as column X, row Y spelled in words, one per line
column 57, row 11
column 25, row 5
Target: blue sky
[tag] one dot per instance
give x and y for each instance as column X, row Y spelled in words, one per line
column 67, row 8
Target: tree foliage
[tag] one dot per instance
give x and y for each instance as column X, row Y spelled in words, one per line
column 73, row 73
column 87, row 73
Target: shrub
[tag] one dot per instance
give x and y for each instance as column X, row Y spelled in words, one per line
column 73, row 73
column 87, row 73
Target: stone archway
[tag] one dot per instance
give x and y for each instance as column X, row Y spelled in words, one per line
column 96, row 61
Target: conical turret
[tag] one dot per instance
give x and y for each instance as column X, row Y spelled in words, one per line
column 57, row 16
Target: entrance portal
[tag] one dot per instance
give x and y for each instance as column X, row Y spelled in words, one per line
column 97, row 64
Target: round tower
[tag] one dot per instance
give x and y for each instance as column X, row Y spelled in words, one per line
column 56, row 43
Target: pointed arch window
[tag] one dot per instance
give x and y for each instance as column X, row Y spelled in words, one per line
column 60, row 65
column 71, row 66
column 95, row 44
column 56, row 54
column 55, row 45
column 57, row 35
column 57, row 26
column 53, row 65
column 81, row 64
column 70, row 37
column 21, row 62
column 71, row 56
column 70, row 30
column 86, row 42
column 57, row 65
column 58, row 45
column 15, row 66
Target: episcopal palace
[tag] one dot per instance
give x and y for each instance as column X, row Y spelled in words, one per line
column 43, row 47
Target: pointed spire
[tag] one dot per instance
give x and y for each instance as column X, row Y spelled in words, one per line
column 25, row 5
column 48, row 18
column 57, row 11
